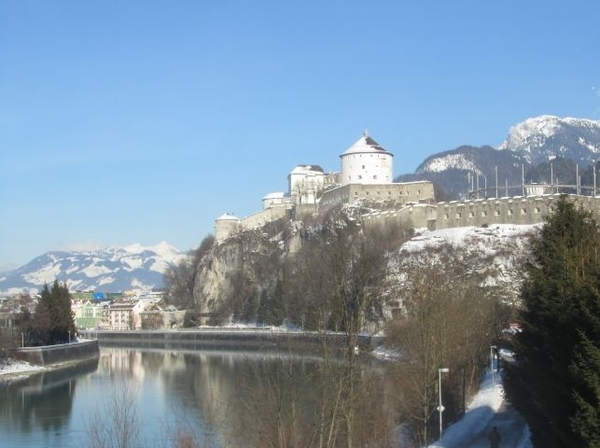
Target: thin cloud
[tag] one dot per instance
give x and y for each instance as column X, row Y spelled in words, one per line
column 82, row 246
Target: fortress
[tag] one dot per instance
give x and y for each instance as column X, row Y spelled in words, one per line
column 366, row 178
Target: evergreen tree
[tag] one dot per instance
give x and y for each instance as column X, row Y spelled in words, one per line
column 555, row 381
column 53, row 318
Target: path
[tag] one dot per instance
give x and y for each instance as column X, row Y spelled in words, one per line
column 511, row 426
column 487, row 409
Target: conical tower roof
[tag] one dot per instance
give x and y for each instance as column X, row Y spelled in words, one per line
column 366, row 145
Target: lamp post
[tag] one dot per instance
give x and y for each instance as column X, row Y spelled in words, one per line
column 492, row 350
column 22, row 340
column 440, row 406
column 69, row 331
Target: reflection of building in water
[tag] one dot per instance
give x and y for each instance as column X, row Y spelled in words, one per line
column 122, row 362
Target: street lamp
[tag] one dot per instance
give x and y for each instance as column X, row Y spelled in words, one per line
column 69, row 331
column 22, row 340
column 492, row 351
column 441, row 407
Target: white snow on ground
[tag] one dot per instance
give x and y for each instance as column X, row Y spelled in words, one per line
column 16, row 366
column 480, row 413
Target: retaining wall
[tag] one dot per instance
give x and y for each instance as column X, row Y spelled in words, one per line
column 52, row 354
column 225, row 339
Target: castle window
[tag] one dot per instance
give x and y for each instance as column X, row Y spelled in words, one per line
column 497, row 213
column 536, row 210
column 389, row 193
column 374, row 176
column 471, row 215
column 458, row 215
column 510, row 212
column 356, row 193
column 367, row 193
column 359, row 177
column 523, row 211
column 446, row 216
column 484, row 214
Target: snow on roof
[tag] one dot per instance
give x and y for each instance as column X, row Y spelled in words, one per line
column 307, row 169
column 275, row 195
column 228, row 217
column 366, row 144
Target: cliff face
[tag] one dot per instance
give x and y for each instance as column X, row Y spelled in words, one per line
column 253, row 276
column 242, row 268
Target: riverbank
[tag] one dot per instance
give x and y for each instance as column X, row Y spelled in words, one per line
column 11, row 367
column 57, row 354
column 27, row 361
column 223, row 338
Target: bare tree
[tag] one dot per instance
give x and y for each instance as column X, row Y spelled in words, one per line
column 449, row 320
column 344, row 265
column 115, row 423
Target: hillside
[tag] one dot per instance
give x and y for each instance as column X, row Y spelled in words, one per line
column 241, row 272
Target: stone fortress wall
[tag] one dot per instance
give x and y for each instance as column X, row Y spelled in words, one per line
column 519, row 210
column 391, row 193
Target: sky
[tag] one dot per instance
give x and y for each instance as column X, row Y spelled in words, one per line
column 144, row 121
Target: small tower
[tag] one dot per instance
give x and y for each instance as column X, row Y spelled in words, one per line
column 366, row 162
column 225, row 225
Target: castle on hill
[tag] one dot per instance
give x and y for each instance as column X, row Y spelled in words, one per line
column 366, row 177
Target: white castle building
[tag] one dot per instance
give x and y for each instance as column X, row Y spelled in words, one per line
column 366, row 176
column 366, row 162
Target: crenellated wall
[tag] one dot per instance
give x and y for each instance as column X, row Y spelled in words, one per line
column 389, row 193
column 264, row 217
column 480, row 212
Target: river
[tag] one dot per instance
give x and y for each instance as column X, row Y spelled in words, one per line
column 166, row 398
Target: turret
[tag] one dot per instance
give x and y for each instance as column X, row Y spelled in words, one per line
column 366, row 162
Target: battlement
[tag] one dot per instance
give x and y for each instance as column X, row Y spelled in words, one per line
column 519, row 210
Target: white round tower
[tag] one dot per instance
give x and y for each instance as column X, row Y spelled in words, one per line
column 366, row 162
column 225, row 225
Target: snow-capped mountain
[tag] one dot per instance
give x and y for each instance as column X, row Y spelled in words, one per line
column 546, row 137
column 535, row 141
column 112, row 269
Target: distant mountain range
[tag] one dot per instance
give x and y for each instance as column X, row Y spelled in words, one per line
column 531, row 147
column 113, row 269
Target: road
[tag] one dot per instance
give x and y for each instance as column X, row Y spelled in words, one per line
column 511, row 426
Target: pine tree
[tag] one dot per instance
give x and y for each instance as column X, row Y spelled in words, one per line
column 53, row 321
column 555, row 382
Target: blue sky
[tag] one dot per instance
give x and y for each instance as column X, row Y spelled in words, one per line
column 143, row 121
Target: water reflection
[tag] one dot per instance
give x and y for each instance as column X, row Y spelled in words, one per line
column 214, row 399
column 43, row 401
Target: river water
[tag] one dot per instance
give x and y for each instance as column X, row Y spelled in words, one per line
column 166, row 398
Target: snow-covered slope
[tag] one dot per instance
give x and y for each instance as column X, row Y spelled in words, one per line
column 528, row 144
column 496, row 253
column 113, row 269
column 546, row 137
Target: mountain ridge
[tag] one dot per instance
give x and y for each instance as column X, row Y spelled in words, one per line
column 110, row 269
column 533, row 142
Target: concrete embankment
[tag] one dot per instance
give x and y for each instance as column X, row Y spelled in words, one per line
column 56, row 354
column 215, row 339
